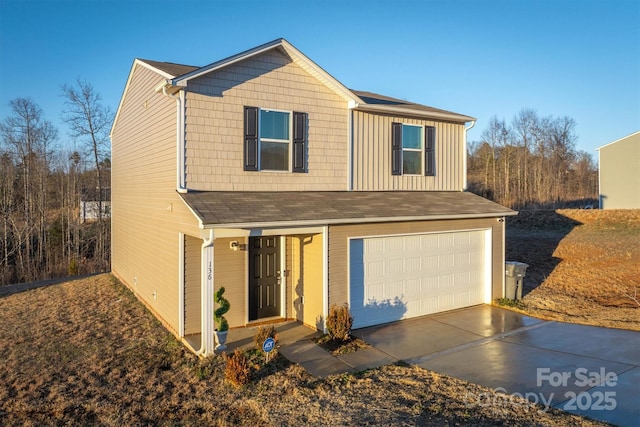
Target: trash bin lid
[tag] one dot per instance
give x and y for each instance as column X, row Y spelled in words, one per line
column 515, row 268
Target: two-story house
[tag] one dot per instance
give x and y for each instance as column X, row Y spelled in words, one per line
column 264, row 174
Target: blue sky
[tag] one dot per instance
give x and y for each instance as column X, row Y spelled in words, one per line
column 483, row 57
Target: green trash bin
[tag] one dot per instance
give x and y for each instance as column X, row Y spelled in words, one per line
column 514, row 272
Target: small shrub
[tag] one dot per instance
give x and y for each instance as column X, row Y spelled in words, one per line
column 218, row 315
column 339, row 322
column 74, row 268
column 508, row 302
column 238, row 370
column 262, row 334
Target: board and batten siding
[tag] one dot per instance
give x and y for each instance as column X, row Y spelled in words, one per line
column 339, row 248
column 214, row 139
column 372, row 155
column 147, row 215
column 304, row 281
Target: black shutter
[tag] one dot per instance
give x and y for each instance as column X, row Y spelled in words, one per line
column 396, row 148
column 299, row 142
column 250, row 138
column 430, row 151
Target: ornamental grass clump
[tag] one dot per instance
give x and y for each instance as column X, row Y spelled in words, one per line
column 237, row 371
column 339, row 322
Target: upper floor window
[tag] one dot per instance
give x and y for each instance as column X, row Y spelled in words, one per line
column 413, row 149
column 274, row 140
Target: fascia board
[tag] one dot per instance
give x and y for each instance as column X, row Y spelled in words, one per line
column 136, row 62
column 617, row 140
column 414, row 112
column 321, row 222
column 183, row 79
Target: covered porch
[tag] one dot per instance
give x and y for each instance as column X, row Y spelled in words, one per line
column 288, row 332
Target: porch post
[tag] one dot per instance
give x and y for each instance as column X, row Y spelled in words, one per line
column 206, row 317
column 325, row 276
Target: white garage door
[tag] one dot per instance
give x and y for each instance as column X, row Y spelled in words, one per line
column 398, row 277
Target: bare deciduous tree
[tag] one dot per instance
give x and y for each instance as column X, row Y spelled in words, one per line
column 532, row 162
column 89, row 121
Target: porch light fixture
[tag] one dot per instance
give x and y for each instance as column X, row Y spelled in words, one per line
column 234, row 245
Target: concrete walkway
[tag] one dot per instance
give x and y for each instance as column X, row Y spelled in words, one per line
column 586, row 370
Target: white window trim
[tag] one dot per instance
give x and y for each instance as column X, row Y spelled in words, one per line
column 281, row 141
column 420, row 150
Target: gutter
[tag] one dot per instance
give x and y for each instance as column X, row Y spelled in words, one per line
column 466, row 154
column 376, row 108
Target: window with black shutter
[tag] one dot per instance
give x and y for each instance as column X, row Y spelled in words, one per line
column 275, row 140
column 412, row 149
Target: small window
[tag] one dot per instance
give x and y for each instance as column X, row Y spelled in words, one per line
column 274, row 140
column 412, row 149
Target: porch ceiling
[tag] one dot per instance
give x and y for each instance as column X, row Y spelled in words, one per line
column 254, row 209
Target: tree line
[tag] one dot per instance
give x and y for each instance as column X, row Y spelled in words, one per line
column 42, row 186
column 532, row 162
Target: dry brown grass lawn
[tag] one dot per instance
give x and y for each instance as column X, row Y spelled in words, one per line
column 584, row 265
column 87, row 352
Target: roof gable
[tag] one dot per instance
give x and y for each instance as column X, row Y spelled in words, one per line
column 176, row 77
column 167, row 70
column 285, row 47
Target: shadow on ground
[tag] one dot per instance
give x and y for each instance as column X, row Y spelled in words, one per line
column 532, row 237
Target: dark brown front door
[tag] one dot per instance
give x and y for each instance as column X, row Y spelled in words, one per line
column 264, row 277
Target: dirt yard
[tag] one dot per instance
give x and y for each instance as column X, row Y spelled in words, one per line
column 584, row 265
column 87, row 352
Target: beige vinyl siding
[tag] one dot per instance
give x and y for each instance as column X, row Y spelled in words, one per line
column 293, row 310
column 304, row 262
column 312, row 274
column 230, row 270
column 372, row 155
column 619, row 177
column 192, row 285
column 339, row 244
column 147, row 213
column 215, row 133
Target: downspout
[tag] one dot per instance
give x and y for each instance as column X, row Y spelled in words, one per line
column 180, row 144
column 465, row 155
column 207, row 343
column 325, row 277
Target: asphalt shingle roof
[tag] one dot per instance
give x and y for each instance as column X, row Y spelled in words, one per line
column 229, row 208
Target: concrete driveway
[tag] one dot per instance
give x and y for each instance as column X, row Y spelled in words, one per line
column 586, row 370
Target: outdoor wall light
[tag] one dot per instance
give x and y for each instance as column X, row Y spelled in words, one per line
column 234, row 245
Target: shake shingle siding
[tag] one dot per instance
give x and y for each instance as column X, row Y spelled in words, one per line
column 214, row 126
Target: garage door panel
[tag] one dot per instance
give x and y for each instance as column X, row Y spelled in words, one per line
column 398, row 277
